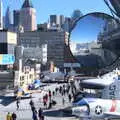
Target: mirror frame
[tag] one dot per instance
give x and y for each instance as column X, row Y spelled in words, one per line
column 101, row 14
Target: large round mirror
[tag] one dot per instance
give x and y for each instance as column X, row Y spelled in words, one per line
column 90, row 41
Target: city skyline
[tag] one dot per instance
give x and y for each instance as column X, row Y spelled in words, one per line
column 46, row 7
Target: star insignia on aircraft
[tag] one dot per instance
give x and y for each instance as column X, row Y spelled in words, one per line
column 98, row 110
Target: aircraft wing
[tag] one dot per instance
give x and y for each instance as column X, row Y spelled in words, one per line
column 112, row 114
column 97, row 83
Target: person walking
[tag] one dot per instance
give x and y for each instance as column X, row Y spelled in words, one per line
column 42, row 117
column 40, row 112
column 35, row 115
column 60, row 89
column 31, row 105
column 50, row 105
column 50, row 95
column 53, row 93
column 63, row 101
column 17, row 104
column 45, row 101
column 69, row 96
column 56, row 90
column 46, row 96
column 33, row 108
column 64, row 91
column 14, row 116
column 9, row 116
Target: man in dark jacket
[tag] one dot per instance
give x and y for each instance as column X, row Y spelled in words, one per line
column 40, row 112
column 14, row 116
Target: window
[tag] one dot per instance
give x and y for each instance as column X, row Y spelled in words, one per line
column 22, row 77
column 30, row 76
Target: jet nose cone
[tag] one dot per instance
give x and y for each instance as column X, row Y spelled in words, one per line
column 68, row 110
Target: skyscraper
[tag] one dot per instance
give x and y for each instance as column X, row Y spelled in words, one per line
column 76, row 14
column 68, row 24
column 57, row 20
column 28, row 16
column 16, row 18
column 1, row 15
column 54, row 19
column 62, row 20
column 8, row 18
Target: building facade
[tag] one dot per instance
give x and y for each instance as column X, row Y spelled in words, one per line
column 38, row 54
column 8, row 41
column 55, row 44
column 25, row 77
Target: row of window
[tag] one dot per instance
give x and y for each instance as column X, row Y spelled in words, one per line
column 22, row 79
column 30, row 41
column 31, row 45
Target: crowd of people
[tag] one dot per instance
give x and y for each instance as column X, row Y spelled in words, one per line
column 63, row 90
column 48, row 101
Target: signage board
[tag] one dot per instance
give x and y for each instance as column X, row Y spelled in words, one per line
column 72, row 65
column 7, row 59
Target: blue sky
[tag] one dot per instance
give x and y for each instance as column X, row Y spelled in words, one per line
column 87, row 29
column 46, row 7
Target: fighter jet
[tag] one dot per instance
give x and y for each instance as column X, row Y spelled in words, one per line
column 37, row 84
column 95, row 108
column 27, row 90
column 106, row 107
column 100, row 82
column 108, row 84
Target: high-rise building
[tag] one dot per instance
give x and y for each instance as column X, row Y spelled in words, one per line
column 62, row 20
column 1, row 15
column 16, row 18
column 3, row 22
column 54, row 19
column 67, row 24
column 8, row 19
column 76, row 14
column 57, row 20
column 28, row 16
